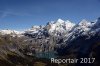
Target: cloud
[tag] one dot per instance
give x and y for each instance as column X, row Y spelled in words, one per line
column 5, row 13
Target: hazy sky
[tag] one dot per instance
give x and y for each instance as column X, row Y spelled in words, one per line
column 22, row 14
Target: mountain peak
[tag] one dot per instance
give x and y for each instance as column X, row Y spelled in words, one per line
column 97, row 24
column 35, row 26
column 84, row 22
column 60, row 20
column 7, row 31
column 69, row 25
column 98, row 20
column 68, row 21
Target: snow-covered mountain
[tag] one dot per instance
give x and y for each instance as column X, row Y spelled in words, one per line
column 60, row 33
column 82, row 38
column 60, row 27
column 62, row 37
column 11, row 32
column 67, row 28
column 53, row 28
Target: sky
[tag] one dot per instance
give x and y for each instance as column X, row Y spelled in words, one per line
column 22, row 14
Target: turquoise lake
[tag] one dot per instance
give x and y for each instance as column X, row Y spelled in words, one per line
column 47, row 55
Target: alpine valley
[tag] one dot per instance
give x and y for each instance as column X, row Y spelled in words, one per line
column 57, row 39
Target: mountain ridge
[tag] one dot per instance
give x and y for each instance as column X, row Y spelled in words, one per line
column 77, row 41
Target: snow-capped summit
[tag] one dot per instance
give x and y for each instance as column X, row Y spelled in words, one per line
column 35, row 28
column 69, row 25
column 85, row 23
column 60, row 21
column 99, row 19
column 3, row 32
column 60, row 26
column 97, row 24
